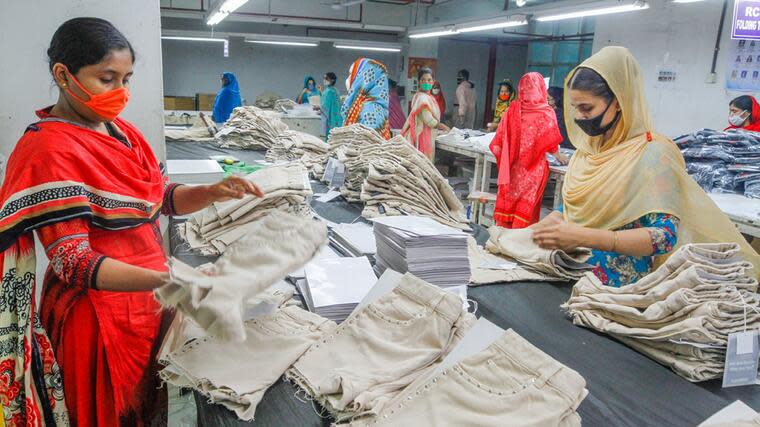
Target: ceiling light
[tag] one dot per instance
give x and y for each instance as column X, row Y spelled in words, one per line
column 197, row 39
column 284, row 43
column 595, row 12
column 225, row 8
column 686, row 1
column 521, row 3
column 504, row 24
column 375, row 48
column 433, row 34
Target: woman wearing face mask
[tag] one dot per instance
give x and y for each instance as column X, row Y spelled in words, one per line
column 227, row 99
column 627, row 195
column 425, row 117
column 527, row 132
column 504, row 98
column 367, row 99
column 744, row 113
column 330, row 104
column 309, row 89
column 556, row 101
column 437, row 93
column 88, row 183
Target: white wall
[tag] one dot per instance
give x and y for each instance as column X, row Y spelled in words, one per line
column 28, row 27
column 195, row 67
column 679, row 37
column 454, row 55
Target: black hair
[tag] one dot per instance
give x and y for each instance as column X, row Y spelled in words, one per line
column 422, row 71
column 80, row 42
column 508, row 84
column 392, row 84
column 465, row 74
column 743, row 102
column 331, row 77
column 588, row 80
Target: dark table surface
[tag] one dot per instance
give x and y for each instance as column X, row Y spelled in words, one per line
column 625, row 387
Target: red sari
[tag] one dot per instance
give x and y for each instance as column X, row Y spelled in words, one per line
column 90, row 197
column 525, row 134
column 754, row 118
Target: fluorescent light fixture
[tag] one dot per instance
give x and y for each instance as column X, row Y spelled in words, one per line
column 494, row 26
column 225, row 8
column 284, row 43
column 196, row 39
column 686, row 1
column 595, row 12
column 374, row 48
column 433, row 34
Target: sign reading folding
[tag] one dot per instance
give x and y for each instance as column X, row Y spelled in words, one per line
column 746, row 22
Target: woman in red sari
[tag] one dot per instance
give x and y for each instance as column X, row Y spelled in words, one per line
column 525, row 134
column 89, row 184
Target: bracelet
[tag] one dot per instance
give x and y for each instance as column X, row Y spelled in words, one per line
column 614, row 241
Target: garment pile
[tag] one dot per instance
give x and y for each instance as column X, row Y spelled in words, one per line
column 723, row 162
column 681, row 314
column 266, row 100
column 198, row 132
column 251, row 128
column 284, row 105
column 299, row 146
column 286, row 187
column 413, row 356
column 392, row 177
column 510, row 255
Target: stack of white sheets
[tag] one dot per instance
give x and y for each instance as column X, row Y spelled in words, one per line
column 418, row 245
column 356, row 239
column 334, row 287
column 251, row 128
column 212, row 230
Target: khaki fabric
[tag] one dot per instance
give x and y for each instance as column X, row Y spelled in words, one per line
column 636, row 171
column 236, row 375
column 480, row 275
column 279, row 244
column 381, row 349
column 510, row 383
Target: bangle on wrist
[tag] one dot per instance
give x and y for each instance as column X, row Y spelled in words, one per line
column 614, row 241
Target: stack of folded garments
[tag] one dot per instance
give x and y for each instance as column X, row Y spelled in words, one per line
column 283, row 104
column 306, row 148
column 344, row 143
column 387, row 343
column 216, row 298
column 266, row 100
column 272, row 344
column 285, row 186
column 679, row 315
column 418, row 245
column 512, row 256
column 198, row 132
column 251, row 128
column 723, row 162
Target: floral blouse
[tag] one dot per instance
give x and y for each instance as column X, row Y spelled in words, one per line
column 618, row 270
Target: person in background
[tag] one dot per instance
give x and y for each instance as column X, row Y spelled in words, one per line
column 309, row 89
column 556, row 99
column 227, row 99
column 425, row 116
column 437, row 93
column 527, row 131
column 89, row 185
column 330, row 104
column 465, row 112
column 744, row 113
column 504, row 98
column 367, row 99
column 626, row 195
column 395, row 112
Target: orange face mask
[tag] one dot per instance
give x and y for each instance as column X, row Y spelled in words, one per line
column 503, row 96
column 107, row 105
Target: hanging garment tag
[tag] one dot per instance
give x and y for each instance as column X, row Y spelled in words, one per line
column 741, row 359
column 329, row 196
column 338, row 176
column 329, row 170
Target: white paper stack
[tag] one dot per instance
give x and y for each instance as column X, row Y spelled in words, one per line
column 194, row 172
column 333, row 287
column 431, row 251
column 356, row 239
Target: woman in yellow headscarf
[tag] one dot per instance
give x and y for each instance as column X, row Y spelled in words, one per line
column 627, row 195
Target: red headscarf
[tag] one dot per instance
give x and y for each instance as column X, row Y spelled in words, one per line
column 754, row 118
column 441, row 100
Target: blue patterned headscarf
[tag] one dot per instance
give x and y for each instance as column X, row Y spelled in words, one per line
column 367, row 100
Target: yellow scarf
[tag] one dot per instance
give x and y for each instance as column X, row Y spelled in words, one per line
column 637, row 172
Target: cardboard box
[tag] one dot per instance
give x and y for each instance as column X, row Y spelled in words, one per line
column 205, row 101
column 179, row 103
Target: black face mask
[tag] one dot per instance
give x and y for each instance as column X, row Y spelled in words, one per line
column 593, row 126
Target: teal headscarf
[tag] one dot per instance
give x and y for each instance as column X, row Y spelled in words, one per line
column 303, row 98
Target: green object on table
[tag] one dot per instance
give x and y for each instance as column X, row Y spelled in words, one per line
column 240, row 168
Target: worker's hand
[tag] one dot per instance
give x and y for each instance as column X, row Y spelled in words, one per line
column 443, row 128
column 553, row 218
column 305, row 90
column 561, row 235
column 233, row 187
column 491, row 127
column 561, row 158
column 319, row 88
